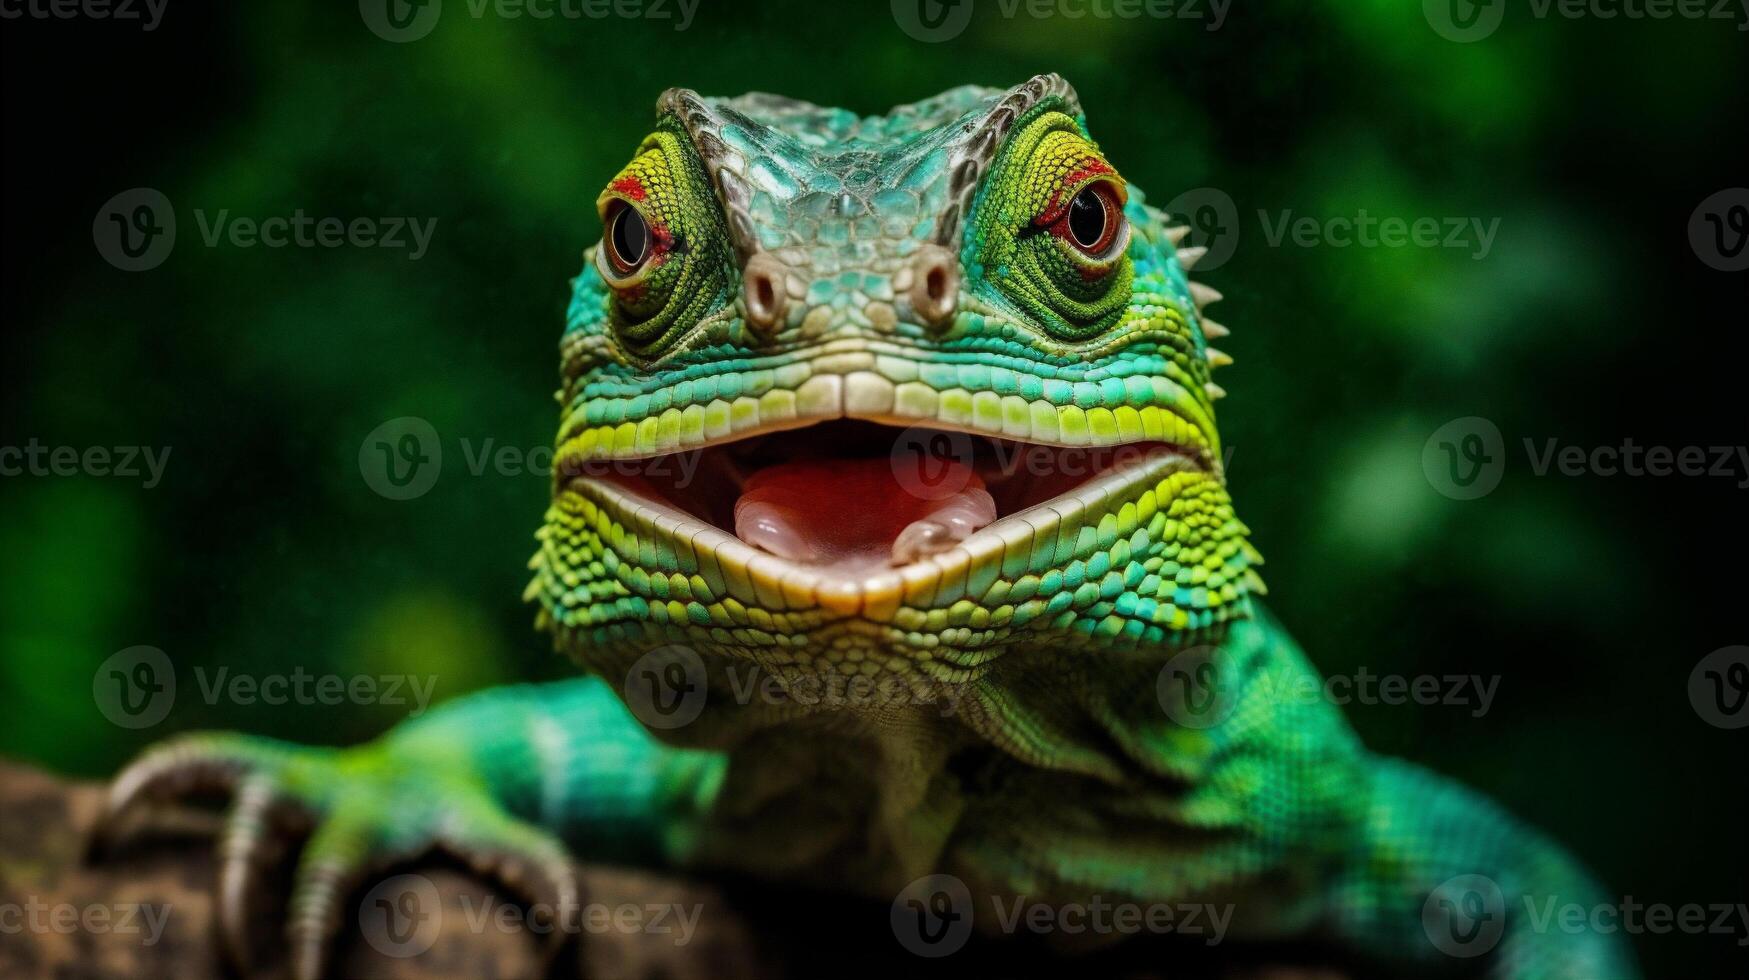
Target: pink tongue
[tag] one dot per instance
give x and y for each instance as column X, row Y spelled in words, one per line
column 857, row 513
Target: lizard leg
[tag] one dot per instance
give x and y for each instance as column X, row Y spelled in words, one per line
column 501, row 780
column 1446, row 877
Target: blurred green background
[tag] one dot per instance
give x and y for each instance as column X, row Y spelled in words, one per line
column 1590, row 320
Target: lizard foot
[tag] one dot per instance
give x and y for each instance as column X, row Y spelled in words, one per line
column 363, row 810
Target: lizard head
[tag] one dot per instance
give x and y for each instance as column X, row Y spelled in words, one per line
column 896, row 392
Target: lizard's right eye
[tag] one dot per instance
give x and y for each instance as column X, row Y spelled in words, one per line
column 628, row 239
column 663, row 254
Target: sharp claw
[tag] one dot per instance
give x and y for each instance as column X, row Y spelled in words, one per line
column 315, row 913
column 538, row 869
column 192, row 763
column 241, row 861
column 346, row 846
column 343, row 852
column 556, row 884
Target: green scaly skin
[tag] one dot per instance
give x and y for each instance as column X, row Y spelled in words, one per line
column 914, row 279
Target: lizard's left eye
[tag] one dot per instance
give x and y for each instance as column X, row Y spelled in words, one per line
column 1093, row 220
column 628, row 238
column 1053, row 232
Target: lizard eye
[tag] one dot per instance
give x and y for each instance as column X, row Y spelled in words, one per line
column 1054, row 233
column 628, row 239
column 1093, row 220
column 1093, row 230
column 663, row 257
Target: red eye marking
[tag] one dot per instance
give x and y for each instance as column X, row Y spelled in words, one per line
column 631, row 187
column 1087, row 171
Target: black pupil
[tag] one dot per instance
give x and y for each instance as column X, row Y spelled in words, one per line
column 630, row 236
column 1087, row 218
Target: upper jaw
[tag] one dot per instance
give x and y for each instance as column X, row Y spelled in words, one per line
column 884, row 381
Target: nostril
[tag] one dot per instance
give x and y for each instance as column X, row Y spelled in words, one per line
column 935, row 284
column 763, row 293
column 935, row 288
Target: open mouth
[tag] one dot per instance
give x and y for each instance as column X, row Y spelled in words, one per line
column 852, row 498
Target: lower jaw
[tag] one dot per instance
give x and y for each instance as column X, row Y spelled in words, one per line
column 702, row 568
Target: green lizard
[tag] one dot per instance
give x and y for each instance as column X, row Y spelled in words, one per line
column 911, row 418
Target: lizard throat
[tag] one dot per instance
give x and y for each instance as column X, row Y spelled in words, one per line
column 852, row 498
